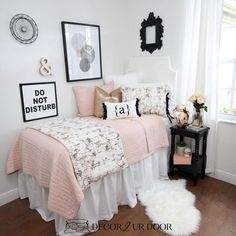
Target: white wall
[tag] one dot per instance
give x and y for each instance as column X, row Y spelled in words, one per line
column 225, row 168
column 19, row 63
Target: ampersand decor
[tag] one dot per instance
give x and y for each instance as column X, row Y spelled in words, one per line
column 45, row 68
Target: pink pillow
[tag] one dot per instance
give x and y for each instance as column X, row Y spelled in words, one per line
column 85, row 98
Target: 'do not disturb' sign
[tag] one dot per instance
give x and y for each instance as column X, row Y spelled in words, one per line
column 39, row 100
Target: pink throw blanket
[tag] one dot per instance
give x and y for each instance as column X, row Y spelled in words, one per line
column 48, row 160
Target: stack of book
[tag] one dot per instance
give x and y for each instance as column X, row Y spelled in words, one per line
column 182, row 160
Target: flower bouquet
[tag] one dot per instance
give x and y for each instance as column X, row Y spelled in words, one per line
column 198, row 101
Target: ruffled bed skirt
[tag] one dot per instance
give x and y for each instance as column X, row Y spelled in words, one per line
column 102, row 199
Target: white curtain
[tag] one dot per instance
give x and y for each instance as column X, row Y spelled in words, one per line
column 200, row 62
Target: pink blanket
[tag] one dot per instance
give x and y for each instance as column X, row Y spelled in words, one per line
column 49, row 162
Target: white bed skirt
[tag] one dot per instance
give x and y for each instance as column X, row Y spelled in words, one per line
column 102, row 199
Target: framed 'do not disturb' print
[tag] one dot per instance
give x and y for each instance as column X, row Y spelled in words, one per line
column 82, row 51
column 38, row 100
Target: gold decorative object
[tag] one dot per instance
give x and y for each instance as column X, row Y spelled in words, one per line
column 102, row 96
column 181, row 115
column 45, row 69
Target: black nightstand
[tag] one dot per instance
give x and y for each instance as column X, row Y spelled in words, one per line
column 198, row 162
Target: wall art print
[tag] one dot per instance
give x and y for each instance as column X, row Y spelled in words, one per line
column 38, row 100
column 23, row 28
column 82, row 50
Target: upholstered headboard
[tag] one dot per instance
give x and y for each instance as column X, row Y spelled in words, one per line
column 154, row 69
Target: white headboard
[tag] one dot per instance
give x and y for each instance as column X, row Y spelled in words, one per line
column 154, row 69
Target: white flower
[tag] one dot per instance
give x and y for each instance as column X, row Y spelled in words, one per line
column 180, row 107
column 193, row 98
column 197, row 97
column 200, row 100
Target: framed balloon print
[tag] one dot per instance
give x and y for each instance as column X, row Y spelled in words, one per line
column 82, row 51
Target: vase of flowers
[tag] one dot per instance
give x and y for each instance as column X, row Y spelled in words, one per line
column 198, row 101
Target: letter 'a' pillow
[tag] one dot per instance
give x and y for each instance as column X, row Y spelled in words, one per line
column 120, row 110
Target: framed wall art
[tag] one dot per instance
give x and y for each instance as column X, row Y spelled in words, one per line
column 151, row 33
column 82, row 50
column 38, row 100
column 24, row 29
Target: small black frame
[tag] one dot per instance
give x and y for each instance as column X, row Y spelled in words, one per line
column 38, row 105
column 159, row 29
column 91, row 68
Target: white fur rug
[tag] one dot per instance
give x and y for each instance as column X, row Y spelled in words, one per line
column 170, row 203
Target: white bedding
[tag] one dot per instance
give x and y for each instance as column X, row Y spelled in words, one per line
column 103, row 197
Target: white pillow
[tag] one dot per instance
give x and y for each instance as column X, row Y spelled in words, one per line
column 120, row 80
column 152, row 98
column 171, row 97
column 147, row 85
column 120, row 110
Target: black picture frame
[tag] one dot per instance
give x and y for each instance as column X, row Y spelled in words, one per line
column 30, row 100
column 155, row 22
column 82, row 51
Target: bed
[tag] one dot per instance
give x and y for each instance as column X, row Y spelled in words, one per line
column 48, row 178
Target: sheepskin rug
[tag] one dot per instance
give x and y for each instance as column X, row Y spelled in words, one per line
column 168, row 202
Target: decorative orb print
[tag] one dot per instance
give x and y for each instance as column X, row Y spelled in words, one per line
column 23, row 28
column 78, row 52
column 77, row 41
column 84, row 64
column 88, row 52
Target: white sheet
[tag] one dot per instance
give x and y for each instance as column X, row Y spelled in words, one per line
column 103, row 197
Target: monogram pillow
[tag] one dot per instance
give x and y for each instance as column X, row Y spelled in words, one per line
column 119, row 110
column 152, row 98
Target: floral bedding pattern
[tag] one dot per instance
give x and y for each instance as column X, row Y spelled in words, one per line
column 152, row 100
column 95, row 150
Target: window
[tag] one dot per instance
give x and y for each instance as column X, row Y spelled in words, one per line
column 227, row 67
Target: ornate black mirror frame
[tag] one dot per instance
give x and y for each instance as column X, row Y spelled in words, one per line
column 150, row 22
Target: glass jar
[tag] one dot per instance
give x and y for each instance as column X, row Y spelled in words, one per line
column 197, row 119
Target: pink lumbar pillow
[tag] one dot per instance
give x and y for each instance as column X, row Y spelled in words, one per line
column 85, row 98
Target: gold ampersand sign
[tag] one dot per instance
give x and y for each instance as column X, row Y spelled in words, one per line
column 45, row 68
